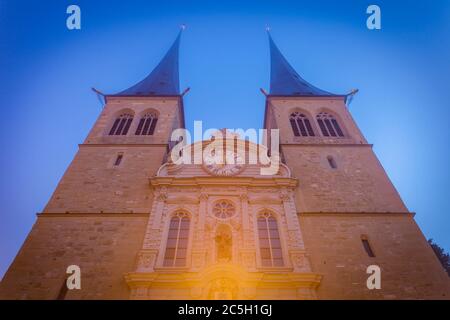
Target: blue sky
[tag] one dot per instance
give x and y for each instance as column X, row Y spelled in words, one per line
column 46, row 71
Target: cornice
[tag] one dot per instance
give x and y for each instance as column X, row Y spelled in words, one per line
column 355, row 213
column 221, row 181
column 91, row 214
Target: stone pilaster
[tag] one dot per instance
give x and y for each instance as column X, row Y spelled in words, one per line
column 147, row 257
column 296, row 247
column 146, row 260
column 199, row 250
column 293, row 226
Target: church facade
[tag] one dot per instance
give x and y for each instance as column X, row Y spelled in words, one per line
column 141, row 226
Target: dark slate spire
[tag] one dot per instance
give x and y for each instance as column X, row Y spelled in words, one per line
column 285, row 81
column 163, row 80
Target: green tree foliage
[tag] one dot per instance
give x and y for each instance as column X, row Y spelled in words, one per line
column 443, row 257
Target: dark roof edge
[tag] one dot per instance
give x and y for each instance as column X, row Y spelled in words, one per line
column 307, row 96
column 143, row 95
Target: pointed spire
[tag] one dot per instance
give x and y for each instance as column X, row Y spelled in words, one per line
column 284, row 80
column 164, row 79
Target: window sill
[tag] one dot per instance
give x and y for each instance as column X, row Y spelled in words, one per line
column 275, row 269
column 171, row 269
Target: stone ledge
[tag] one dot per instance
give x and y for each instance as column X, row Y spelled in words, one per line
column 130, row 144
column 412, row 214
column 92, row 214
column 327, row 144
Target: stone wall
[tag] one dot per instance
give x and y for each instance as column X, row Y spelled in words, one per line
column 93, row 184
column 104, row 247
column 409, row 267
column 358, row 184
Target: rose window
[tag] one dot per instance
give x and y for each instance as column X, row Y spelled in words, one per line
column 223, row 210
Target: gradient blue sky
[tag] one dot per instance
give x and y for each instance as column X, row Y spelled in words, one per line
column 46, row 71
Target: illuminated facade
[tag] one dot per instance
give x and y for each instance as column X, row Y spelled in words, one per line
column 223, row 234
column 141, row 227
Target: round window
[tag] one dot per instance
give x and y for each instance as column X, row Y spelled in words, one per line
column 223, row 209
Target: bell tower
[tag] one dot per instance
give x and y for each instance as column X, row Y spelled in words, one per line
column 97, row 215
column 324, row 147
column 126, row 146
column 350, row 213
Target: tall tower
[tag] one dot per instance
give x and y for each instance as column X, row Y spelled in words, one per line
column 97, row 215
column 350, row 214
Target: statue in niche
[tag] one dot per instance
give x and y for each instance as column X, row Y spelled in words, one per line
column 223, row 241
column 223, row 289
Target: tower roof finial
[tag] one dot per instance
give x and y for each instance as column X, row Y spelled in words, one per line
column 164, row 79
column 284, row 80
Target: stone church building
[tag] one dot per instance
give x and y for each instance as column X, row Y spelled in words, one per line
column 140, row 226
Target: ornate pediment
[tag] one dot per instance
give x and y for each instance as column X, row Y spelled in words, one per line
column 242, row 159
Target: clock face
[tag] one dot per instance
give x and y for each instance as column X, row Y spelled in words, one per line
column 229, row 165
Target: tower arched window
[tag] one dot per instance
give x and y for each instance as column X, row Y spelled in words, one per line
column 121, row 125
column 269, row 241
column 329, row 125
column 147, row 124
column 301, row 125
column 177, row 241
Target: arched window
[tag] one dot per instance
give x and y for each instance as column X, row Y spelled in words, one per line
column 147, row 124
column 329, row 125
column 121, row 125
column 301, row 125
column 269, row 241
column 177, row 241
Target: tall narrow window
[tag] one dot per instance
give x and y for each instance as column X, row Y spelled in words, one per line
column 300, row 125
column 269, row 241
column 332, row 162
column 177, row 241
column 367, row 246
column 121, row 125
column 329, row 125
column 147, row 124
column 118, row 159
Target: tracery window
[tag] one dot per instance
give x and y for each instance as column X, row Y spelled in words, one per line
column 329, row 125
column 147, row 124
column 177, row 241
column 269, row 240
column 301, row 125
column 121, row 125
